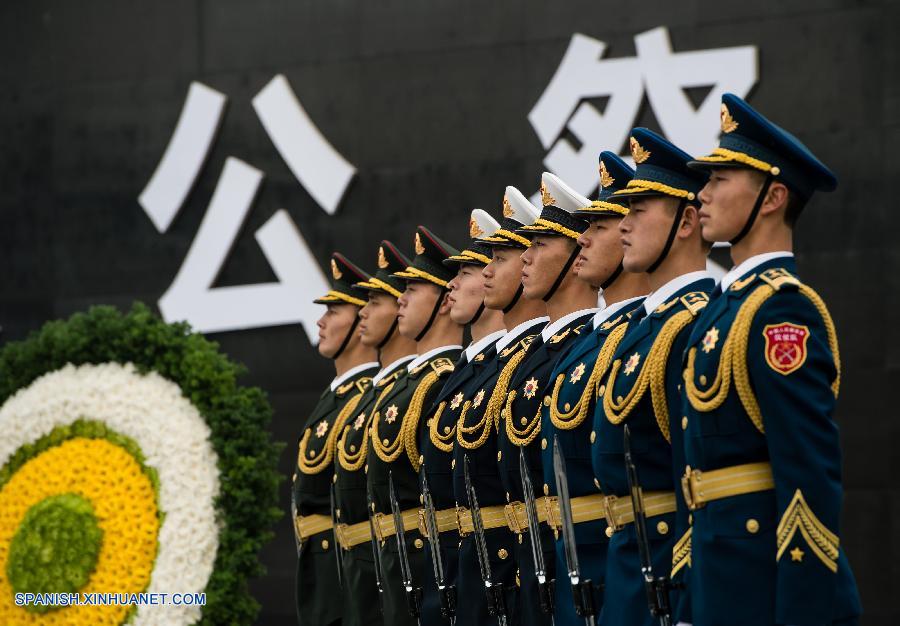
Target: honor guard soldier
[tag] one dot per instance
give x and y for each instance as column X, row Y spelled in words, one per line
column 569, row 400
column 317, row 574
column 548, row 276
column 661, row 237
column 487, row 572
column 396, row 424
column 377, row 329
column 486, row 326
column 763, row 473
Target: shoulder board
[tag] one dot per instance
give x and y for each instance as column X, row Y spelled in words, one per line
column 442, row 365
column 778, row 277
column 695, row 301
column 560, row 336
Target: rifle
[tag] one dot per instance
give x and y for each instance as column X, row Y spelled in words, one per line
column 446, row 592
column 413, row 594
column 545, row 587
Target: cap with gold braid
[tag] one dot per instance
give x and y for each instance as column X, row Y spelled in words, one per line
column 661, row 169
column 390, row 260
column 517, row 212
column 614, row 175
column 343, row 275
column 428, row 263
column 557, row 219
column 477, row 253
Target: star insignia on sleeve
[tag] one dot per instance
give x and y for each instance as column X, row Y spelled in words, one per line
column 391, row 414
column 476, row 402
column 531, row 387
column 797, row 555
column 359, row 421
column 632, row 363
column 710, row 339
column 321, row 429
column 577, row 373
column 456, row 401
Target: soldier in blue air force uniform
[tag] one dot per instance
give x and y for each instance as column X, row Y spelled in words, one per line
column 641, row 388
column 486, row 325
column 761, row 376
column 548, row 276
column 568, row 399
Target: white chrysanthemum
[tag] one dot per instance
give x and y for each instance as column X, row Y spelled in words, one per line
column 174, row 439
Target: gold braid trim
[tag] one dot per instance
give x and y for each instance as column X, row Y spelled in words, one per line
column 599, row 206
column 637, row 185
column 823, row 542
column 720, row 155
column 652, row 375
column 322, row 460
column 333, row 296
column 483, row 427
column 376, row 283
column 681, row 553
column 524, row 436
column 567, row 420
column 503, row 234
column 444, row 443
column 415, row 272
column 733, row 359
column 353, row 461
column 540, row 224
column 410, row 425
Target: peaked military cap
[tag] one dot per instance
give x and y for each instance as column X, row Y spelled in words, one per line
column 428, row 263
column 477, row 253
column 557, row 217
column 517, row 212
column 343, row 275
column 661, row 169
column 751, row 141
column 615, row 174
column 390, row 260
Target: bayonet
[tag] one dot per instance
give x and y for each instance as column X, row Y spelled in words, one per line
column 373, row 539
column 413, row 593
column 545, row 587
column 336, row 546
column 446, row 592
column 298, row 542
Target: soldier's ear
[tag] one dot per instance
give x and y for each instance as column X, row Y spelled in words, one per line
column 690, row 221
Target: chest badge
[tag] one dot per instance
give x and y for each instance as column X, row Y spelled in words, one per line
column 710, row 339
column 531, row 387
column 321, row 429
column 632, row 363
column 577, row 373
column 456, row 401
column 476, row 402
column 359, row 421
column 391, row 414
column 785, row 346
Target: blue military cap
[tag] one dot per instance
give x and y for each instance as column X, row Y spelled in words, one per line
column 661, row 170
column 427, row 265
column 560, row 202
column 749, row 140
column 344, row 273
column 614, row 175
column 481, row 224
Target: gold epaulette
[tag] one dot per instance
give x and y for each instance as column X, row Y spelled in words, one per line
column 442, row 365
column 778, row 277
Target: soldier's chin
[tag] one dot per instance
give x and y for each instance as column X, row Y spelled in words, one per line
column 405, row 329
column 326, row 349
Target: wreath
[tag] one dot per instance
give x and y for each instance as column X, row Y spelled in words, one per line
column 131, row 461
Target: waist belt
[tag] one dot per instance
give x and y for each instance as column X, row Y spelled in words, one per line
column 617, row 511
column 445, row 519
column 309, row 525
column 491, row 517
column 517, row 518
column 349, row 535
column 701, row 487
column 384, row 523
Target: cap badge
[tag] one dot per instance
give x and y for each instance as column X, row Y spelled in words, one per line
column 637, row 152
column 605, row 179
column 474, row 229
column 382, row 260
column 546, row 198
column 335, row 271
column 420, row 249
column 507, row 208
column 728, row 123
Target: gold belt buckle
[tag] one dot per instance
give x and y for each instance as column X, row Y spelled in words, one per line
column 691, row 476
column 510, row 511
column 460, row 511
column 609, row 513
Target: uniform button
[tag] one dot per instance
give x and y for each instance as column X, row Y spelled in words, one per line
column 523, row 421
column 507, row 497
column 418, row 543
column 593, row 436
column 546, row 400
column 752, row 526
column 366, row 469
column 543, row 444
column 453, row 464
column 294, row 477
column 421, row 459
column 502, row 553
column 601, row 390
column 334, row 478
column 324, row 544
column 386, row 442
column 619, row 399
column 702, row 379
column 690, row 518
column 421, row 498
column 352, row 447
column 596, row 483
column 678, row 387
column 662, row 528
column 520, row 538
column 567, row 406
column 684, row 423
column 499, row 455
column 609, row 531
column 447, row 430
column 546, row 490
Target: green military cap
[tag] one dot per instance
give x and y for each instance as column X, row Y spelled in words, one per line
column 390, row 260
column 557, row 217
column 343, row 275
column 477, row 253
column 428, row 263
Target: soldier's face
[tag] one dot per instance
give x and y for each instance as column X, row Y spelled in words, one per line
column 502, row 277
column 728, row 198
column 601, row 250
column 416, row 305
column 377, row 317
column 466, row 293
column 334, row 326
column 644, row 231
column 543, row 261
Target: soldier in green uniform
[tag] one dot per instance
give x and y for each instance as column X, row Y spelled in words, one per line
column 396, row 424
column 377, row 329
column 317, row 575
column 486, row 327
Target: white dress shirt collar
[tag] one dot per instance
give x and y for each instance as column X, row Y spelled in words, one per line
column 477, row 346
